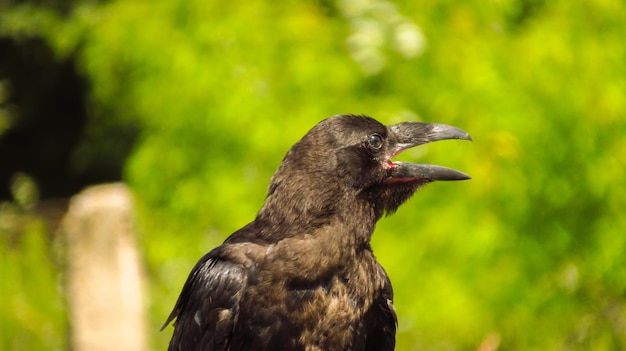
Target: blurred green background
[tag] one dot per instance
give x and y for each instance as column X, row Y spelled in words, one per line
column 194, row 103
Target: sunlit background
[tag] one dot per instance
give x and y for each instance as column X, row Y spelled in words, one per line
column 193, row 103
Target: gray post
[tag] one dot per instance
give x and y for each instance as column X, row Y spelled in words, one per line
column 105, row 278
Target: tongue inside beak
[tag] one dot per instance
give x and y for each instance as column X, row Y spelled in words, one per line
column 413, row 134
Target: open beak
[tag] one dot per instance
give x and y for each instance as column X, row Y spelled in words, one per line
column 410, row 134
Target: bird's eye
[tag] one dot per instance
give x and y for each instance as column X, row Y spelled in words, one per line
column 375, row 141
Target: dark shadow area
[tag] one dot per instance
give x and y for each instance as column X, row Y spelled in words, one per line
column 47, row 104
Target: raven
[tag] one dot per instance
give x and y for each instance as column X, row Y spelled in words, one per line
column 302, row 275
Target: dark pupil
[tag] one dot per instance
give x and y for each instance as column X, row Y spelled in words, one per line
column 376, row 141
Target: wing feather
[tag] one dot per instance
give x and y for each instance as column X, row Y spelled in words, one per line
column 382, row 320
column 208, row 306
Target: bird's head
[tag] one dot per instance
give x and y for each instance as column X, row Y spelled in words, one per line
column 351, row 156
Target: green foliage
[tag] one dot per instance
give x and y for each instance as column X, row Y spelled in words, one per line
column 528, row 254
column 33, row 310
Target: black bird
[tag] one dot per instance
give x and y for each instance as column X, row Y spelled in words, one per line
column 302, row 275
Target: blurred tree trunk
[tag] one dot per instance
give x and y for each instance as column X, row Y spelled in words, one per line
column 104, row 276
